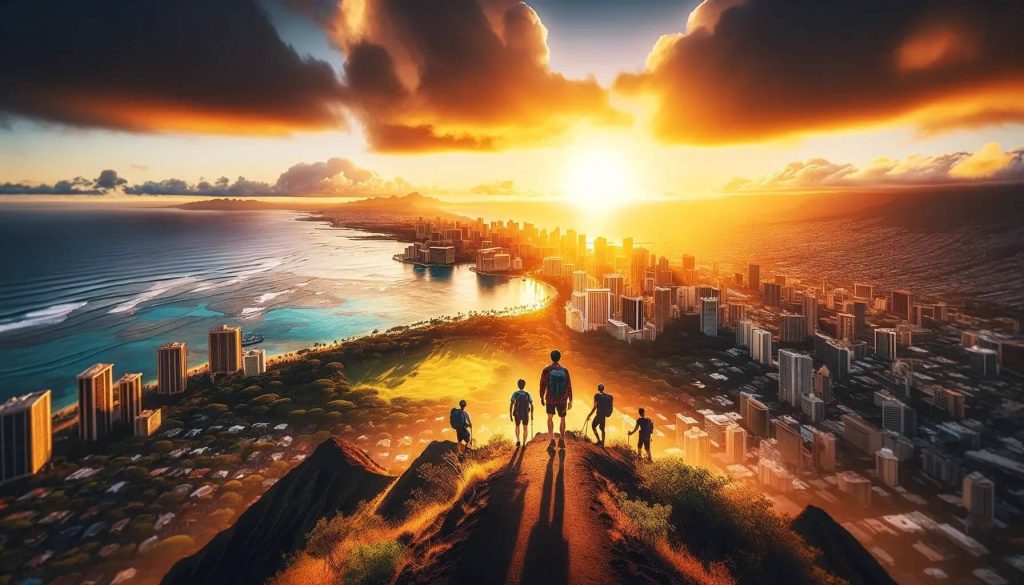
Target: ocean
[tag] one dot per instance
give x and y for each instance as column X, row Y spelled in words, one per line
column 84, row 284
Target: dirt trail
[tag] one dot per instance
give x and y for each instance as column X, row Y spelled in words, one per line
column 537, row 521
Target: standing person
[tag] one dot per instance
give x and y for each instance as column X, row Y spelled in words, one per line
column 603, row 409
column 556, row 393
column 459, row 420
column 520, row 410
column 645, row 427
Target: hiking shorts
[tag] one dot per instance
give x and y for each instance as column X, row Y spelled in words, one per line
column 462, row 435
column 598, row 422
column 557, row 406
column 644, row 442
column 521, row 420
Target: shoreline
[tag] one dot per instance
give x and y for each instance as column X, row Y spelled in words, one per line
column 68, row 413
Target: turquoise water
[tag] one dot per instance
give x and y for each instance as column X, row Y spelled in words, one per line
column 83, row 284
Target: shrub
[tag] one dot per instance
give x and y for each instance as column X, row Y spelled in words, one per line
column 373, row 564
column 651, row 520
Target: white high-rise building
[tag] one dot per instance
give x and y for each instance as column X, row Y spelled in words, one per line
column 696, row 448
column 709, row 316
column 687, row 298
column 761, row 346
column 598, row 308
column 796, row 372
column 885, row 343
column 887, row 467
column 616, row 283
column 552, row 267
column 744, row 328
column 813, row 407
column 254, row 362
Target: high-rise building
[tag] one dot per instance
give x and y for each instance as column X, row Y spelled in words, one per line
column 171, row 368
column 885, row 343
column 901, row 304
column 761, row 346
column 979, row 497
column 147, row 422
column 617, row 284
column 792, row 328
column 787, row 433
column 845, row 327
column 579, row 280
column 834, row 354
column 96, row 402
column 598, row 308
column 813, row 407
column 129, row 398
column 823, row 384
column 756, row 417
column 696, row 448
column 823, row 450
column 735, row 443
column 984, row 362
column 860, row 312
column 715, row 425
column 225, row 349
column 796, row 371
column 899, row 418
column 633, row 312
column 754, row 277
column 887, row 467
column 744, row 329
column 735, row 312
column 26, row 438
column 864, row 436
column 552, row 267
column 810, row 306
column 578, row 300
column 863, row 291
column 638, row 267
column 771, row 293
column 709, row 316
column 254, row 362
column 953, row 402
column 662, row 307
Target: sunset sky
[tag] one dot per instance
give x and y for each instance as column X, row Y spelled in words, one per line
column 603, row 100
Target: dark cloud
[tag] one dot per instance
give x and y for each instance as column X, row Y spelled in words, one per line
column 746, row 70
column 455, row 75
column 195, row 66
column 989, row 165
column 109, row 180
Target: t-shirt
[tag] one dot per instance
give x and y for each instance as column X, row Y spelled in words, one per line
column 529, row 399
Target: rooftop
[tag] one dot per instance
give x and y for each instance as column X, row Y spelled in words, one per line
column 94, row 370
column 17, row 403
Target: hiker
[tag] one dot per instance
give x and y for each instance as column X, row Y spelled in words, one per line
column 459, row 419
column 520, row 410
column 603, row 409
column 555, row 393
column 646, row 428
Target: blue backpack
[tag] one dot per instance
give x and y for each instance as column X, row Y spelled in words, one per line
column 558, row 382
column 455, row 419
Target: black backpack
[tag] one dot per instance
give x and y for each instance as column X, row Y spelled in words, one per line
column 646, row 426
column 604, row 404
column 522, row 404
column 558, row 382
column 456, row 419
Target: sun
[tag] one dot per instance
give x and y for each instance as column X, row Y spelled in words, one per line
column 599, row 180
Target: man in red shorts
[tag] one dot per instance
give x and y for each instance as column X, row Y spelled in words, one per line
column 556, row 394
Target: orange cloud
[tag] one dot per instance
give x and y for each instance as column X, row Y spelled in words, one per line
column 749, row 70
column 457, row 75
column 989, row 164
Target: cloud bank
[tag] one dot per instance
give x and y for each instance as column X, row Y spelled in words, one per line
column 748, row 70
column 989, row 164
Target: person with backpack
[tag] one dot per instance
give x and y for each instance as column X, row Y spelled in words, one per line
column 520, row 410
column 603, row 409
column 458, row 418
column 645, row 427
column 556, row 393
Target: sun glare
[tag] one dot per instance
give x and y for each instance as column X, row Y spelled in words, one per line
column 599, row 180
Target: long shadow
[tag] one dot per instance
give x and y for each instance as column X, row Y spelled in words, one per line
column 547, row 551
column 487, row 556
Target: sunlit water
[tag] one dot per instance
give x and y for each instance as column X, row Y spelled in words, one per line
column 84, row 284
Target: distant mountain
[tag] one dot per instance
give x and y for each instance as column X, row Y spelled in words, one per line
column 335, row 478
column 841, row 554
column 945, row 208
column 227, row 204
column 412, row 200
